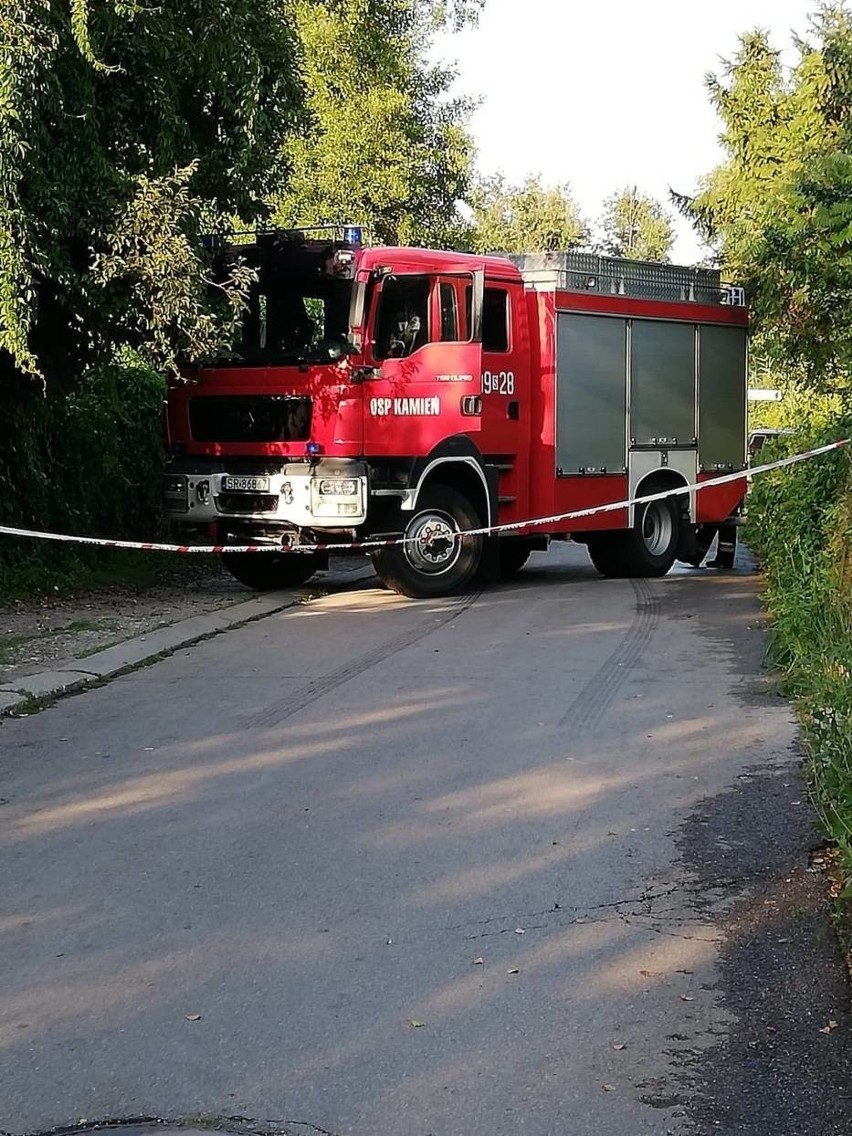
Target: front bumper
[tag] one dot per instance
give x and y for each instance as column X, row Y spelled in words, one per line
column 298, row 495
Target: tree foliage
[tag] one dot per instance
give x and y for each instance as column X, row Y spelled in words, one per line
column 126, row 129
column 387, row 146
column 524, row 218
column 780, row 208
column 129, row 129
column 636, row 226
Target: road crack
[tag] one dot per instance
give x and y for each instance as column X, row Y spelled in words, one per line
column 641, row 911
column 232, row 1125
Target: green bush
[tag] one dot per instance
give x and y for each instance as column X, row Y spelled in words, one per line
column 85, row 461
column 800, row 524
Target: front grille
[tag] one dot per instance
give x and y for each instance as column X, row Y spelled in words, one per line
column 247, row 502
column 250, row 418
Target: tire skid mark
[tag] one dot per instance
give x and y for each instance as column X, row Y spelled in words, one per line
column 591, row 703
column 278, row 711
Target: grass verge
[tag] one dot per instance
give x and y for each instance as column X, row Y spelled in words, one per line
column 800, row 524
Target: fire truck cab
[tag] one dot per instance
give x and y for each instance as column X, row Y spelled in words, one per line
column 414, row 395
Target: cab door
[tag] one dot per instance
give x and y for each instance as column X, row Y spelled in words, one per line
column 424, row 356
column 506, row 426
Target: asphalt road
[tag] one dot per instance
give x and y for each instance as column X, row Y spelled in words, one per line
column 531, row 862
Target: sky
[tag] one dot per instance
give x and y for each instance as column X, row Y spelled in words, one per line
column 607, row 93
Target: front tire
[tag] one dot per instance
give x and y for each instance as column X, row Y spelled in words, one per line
column 434, row 560
column 271, row 571
column 649, row 548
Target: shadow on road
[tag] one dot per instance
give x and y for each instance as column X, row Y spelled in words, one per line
column 377, row 861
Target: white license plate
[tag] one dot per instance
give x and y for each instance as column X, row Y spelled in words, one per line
column 246, row 484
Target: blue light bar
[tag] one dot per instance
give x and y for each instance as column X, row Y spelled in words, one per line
column 353, row 235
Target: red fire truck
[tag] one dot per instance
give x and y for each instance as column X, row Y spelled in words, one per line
column 419, row 394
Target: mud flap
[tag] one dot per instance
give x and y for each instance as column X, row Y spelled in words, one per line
column 695, row 543
column 726, row 549
column 489, row 568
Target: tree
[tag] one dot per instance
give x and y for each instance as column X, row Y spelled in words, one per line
column 387, row 146
column 780, row 208
column 126, row 130
column 525, row 218
column 636, row 226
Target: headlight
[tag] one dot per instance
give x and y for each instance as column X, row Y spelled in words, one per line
column 338, row 487
column 338, row 497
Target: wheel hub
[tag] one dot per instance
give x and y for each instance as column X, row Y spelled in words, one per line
column 431, row 543
column 657, row 528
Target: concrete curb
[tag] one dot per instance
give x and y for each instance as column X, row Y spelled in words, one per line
column 33, row 690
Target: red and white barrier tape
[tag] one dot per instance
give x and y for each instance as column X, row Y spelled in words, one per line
column 514, row 526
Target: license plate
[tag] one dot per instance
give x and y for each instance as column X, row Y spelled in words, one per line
column 246, row 484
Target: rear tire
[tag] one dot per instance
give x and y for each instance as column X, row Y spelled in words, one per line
column 605, row 553
column 649, row 548
column 433, row 561
column 271, row 571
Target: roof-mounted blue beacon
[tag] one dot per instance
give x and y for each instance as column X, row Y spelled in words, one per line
column 353, row 235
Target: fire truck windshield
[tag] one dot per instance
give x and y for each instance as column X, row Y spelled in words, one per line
column 298, row 309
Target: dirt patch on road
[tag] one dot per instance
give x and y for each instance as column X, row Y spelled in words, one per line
column 784, row 1065
column 49, row 632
